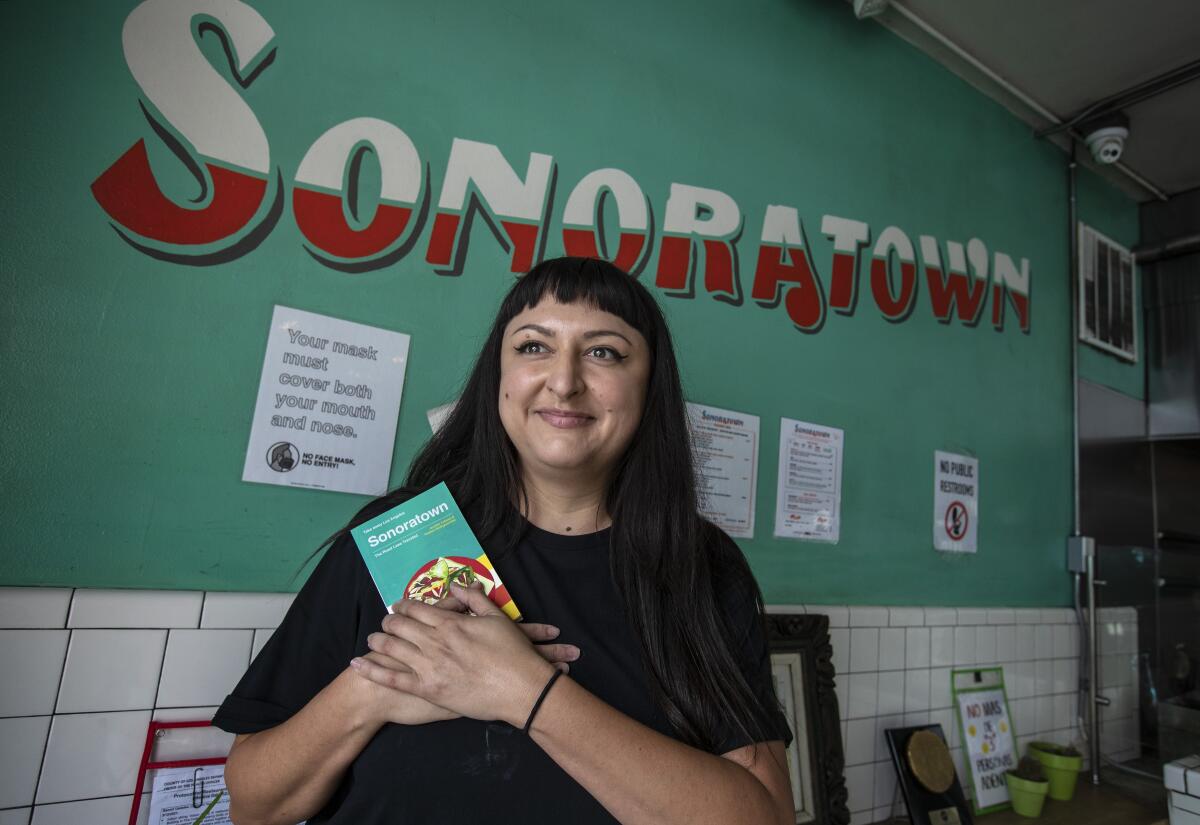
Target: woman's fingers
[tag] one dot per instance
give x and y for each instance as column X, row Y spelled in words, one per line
column 401, row 650
column 557, row 653
column 384, row 660
column 426, row 614
column 452, row 604
column 475, row 600
column 399, row 680
column 539, row 632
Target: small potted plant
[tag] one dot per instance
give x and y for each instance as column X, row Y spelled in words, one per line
column 1061, row 764
column 1027, row 787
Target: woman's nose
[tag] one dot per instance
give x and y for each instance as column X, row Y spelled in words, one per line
column 565, row 379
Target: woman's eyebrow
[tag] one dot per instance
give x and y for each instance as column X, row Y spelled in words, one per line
column 549, row 333
column 600, row 333
column 538, row 329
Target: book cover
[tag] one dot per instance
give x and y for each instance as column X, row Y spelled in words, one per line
column 419, row 548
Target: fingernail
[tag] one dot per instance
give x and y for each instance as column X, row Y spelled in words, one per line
column 356, row 663
column 552, row 632
column 575, row 653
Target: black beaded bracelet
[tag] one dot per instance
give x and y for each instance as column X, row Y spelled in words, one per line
column 541, row 698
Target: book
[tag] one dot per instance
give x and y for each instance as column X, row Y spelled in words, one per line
column 419, row 548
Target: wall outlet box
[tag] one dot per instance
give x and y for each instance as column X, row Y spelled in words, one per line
column 1079, row 548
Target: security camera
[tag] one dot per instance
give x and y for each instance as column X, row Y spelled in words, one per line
column 1106, row 137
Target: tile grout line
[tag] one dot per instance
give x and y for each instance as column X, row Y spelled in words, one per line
column 162, row 663
column 62, row 672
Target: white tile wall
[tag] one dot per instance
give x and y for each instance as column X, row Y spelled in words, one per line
column 91, row 755
column 135, row 608
column 239, row 610
column 34, row 606
column 113, row 809
column 201, row 666
column 83, row 670
column 110, row 660
column 1120, row 728
column 22, row 739
column 40, row 654
column 908, row 663
column 111, row 670
column 261, row 636
column 15, row 816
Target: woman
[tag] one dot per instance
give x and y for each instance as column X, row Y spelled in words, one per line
column 569, row 454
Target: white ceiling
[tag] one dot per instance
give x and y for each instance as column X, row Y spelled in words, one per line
column 1068, row 54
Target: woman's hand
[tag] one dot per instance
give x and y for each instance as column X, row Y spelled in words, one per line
column 482, row 665
column 558, row 655
column 387, row 704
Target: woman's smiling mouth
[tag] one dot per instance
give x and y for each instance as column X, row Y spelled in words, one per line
column 564, row 419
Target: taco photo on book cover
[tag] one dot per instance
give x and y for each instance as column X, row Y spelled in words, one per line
column 431, row 583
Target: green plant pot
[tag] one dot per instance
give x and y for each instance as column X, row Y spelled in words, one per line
column 1061, row 771
column 1027, row 797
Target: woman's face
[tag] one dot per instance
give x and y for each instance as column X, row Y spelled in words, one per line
column 572, row 386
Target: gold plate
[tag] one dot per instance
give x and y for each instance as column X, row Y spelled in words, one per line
column 929, row 760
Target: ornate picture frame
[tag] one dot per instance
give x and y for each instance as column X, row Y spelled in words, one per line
column 802, row 662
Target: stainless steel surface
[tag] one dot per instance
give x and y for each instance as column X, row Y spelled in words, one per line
column 1179, row 723
column 1173, row 348
column 1073, row 258
column 1093, row 669
column 1116, row 481
column 1108, row 415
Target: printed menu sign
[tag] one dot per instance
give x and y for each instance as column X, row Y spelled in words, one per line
column 328, row 401
column 725, row 444
column 808, row 501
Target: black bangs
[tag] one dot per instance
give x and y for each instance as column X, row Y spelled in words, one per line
column 588, row 281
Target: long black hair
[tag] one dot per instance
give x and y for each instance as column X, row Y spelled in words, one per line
column 676, row 573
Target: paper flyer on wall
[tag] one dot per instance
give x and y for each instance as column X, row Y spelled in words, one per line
column 955, row 502
column 188, row 796
column 808, row 502
column 418, row 549
column 725, row 445
column 328, row 401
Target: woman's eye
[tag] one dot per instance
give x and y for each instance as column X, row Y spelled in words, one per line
column 530, row 347
column 606, row 353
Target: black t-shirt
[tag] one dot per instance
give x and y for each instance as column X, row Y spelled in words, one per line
column 464, row 770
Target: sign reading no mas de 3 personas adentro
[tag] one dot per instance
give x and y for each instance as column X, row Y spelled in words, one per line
column 327, row 404
column 701, row 245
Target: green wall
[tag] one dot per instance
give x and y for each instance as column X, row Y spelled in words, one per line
column 130, row 381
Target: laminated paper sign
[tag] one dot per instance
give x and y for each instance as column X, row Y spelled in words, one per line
column 725, row 444
column 327, row 405
column 189, row 796
column 808, row 503
column 955, row 502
